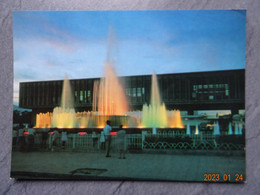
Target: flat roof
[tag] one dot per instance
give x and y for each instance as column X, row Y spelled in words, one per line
column 130, row 76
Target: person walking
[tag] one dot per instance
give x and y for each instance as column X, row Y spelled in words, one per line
column 107, row 130
column 121, row 141
column 64, row 138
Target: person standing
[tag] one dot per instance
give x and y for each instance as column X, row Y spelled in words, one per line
column 121, row 141
column 14, row 135
column 107, row 130
column 94, row 139
column 64, row 138
column 45, row 135
column 21, row 138
column 54, row 139
column 30, row 138
column 102, row 141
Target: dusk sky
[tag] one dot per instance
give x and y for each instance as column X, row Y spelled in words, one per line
column 50, row 44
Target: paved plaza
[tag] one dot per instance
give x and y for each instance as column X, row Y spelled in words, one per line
column 145, row 166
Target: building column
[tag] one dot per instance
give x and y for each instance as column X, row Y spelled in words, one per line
column 234, row 111
column 190, row 112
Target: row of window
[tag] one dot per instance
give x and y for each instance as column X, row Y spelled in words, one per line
column 138, row 89
column 83, row 96
column 210, row 86
column 135, row 92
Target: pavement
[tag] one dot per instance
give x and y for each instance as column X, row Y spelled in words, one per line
column 137, row 166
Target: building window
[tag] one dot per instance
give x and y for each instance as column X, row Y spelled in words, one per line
column 139, row 94
column 85, row 96
column 75, row 95
column 89, row 95
column 128, row 92
column 134, row 92
column 81, row 96
column 227, row 92
column 210, row 91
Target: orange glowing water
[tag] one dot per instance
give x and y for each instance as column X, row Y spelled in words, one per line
column 174, row 119
column 43, row 120
column 109, row 96
column 110, row 103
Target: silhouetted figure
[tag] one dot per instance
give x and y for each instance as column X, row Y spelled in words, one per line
column 94, row 139
column 31, row 138
column 21, row 138
column 15, row 137
column 64, row 138
column 102, row 141
column 107, row 130
column 55, row 136
column 121, row 142
column 45, row 136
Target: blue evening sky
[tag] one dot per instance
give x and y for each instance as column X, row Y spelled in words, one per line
column 50, row 44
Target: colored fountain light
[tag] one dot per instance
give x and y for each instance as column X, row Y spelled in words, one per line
column 110, row 103
column 64, row 116
column 156, row 115
column 82, row 133
column 43, row 120
column 109, row 96
column 174, row 119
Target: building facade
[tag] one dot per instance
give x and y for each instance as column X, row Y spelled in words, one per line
column 213, row 90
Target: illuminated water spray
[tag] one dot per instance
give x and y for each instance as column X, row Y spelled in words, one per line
column 154, row 115
column 109, row 96
column 64, row 116
column 110, row 103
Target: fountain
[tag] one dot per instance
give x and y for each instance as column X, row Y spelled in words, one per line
column 43, row 120
column 174, row 119
column 110, row 103
column 111, row 99
column 230, row 132
column 216, row 128
column 64, row 116
column 188, row 129
column 197, row 129
column 156, row 115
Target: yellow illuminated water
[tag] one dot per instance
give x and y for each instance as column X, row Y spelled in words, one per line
column 155, row 114
column 110, row 103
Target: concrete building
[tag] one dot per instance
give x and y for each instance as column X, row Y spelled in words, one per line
column 212, row 90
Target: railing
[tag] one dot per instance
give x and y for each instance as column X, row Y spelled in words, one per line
column 169, row 141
